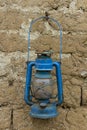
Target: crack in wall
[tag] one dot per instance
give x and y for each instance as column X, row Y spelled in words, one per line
column 11, row 123
column 4, row 105
column 81, row 98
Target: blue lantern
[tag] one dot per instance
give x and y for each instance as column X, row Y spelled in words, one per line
column 39, row 89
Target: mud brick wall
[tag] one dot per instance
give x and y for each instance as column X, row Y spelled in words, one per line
column 15, row 17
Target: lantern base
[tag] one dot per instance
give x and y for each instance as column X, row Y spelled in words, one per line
column 43, row 113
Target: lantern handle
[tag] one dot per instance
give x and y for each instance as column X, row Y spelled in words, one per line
column 60, row 30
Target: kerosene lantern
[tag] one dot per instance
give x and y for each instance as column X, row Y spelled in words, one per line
column 39, row 87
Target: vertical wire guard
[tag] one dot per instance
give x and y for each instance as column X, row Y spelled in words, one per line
column 60, row 30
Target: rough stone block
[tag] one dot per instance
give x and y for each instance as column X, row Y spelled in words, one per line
column 77, row 119
column 65, row 120
column 71, row 16
column 72, row 96
column 23, row 121
column 5, row 119
column 11, row 19
column 82, row 4
column 7, row 93
column 84, row 96
column 13, row 42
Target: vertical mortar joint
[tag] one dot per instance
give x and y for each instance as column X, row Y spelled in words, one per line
column 11, row 124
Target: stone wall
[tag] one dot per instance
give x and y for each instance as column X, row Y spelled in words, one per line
column 15, row 17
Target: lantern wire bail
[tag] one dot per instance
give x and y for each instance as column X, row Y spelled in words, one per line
column 47, row 17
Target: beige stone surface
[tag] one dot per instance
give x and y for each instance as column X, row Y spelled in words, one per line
column 73, row 119
column 15, row 18
column 77, row 119
column 84, row 95
column 72, row 95
column 23, row 121
column 5, row 120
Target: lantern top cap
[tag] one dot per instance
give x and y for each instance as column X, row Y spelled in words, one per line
column 47, row 53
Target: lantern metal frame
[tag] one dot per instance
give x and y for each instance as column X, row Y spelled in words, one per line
column 43, row 65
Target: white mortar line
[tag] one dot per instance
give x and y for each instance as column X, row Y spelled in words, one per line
column 35, row 9
column 55, row 32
